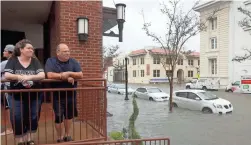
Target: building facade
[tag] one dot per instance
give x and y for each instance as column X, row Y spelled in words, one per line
column 145, row 67
column 49, row 23
column 223, row 40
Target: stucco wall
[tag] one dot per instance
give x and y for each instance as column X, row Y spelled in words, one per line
column 239, row 39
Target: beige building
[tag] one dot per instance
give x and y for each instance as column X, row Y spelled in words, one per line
column 223, row 40
column 145, row 67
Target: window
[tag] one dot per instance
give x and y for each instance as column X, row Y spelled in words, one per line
column 142, row 73
column 154, row 90
column 142, row 90
column 168, row 72
column 192, row 96
column 134, row 73
column 156, row 73
column 168, row 61
column 202, row 80
column 156, row 60
column 237, row 83
column 198, row 62
column 190, row 62
column 213, row 43
column 181, row 94
column 213, row 66
column 190, row 73
column 142, row 60
column 123, row 62
column 214, row 23
column 180, row 62
column 134, row 61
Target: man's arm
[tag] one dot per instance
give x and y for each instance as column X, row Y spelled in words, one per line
column 76, row 75
column 53, row 75
column 50, row 71
column 77, row 71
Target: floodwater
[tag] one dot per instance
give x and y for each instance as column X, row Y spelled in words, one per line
column 185, row 127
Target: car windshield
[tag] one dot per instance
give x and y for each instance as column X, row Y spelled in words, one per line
column 121, row 86
column 193, row 81
column 208, row 96
column 154, row 90
column 237, row 83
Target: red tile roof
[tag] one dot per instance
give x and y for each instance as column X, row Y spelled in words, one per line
column 138, row 52
column 196, row 54
column 159, row 51
column 162, row 51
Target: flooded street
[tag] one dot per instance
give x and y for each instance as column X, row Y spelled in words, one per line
column 185, row 127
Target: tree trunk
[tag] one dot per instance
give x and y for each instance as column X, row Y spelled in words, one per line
column 171, row 96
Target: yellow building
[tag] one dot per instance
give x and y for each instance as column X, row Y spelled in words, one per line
column 145, row 67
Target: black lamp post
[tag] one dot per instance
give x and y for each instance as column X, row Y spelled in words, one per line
column 120, row 19
column 83, row 26
column 126, row 79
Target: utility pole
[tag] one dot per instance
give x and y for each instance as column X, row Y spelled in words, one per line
column 126, row 79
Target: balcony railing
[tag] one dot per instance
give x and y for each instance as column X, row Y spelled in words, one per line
column 90, row 124
column 152, row 141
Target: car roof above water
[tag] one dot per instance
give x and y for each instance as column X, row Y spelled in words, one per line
column 194, row 91
column 149, row 87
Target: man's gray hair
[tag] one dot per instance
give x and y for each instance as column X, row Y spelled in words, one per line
column 58, row 47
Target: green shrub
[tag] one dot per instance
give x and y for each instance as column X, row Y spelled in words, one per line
column 116, row 135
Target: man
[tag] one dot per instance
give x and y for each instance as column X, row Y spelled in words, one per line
column 8, row 51
column 66, row 69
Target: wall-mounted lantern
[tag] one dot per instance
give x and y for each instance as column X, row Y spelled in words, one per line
column 83, row 27
column 120, row 19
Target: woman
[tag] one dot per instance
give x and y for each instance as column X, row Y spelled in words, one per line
column 26, row 71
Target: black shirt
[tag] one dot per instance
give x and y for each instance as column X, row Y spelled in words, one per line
column 15, row 67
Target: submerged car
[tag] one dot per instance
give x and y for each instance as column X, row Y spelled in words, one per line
column 120, row 89
column 151, row 93
column 202, row 101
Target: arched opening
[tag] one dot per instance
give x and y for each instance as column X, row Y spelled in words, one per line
column 180, row 75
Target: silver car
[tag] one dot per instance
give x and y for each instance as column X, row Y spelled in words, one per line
column 151, row 93
column 119, row 89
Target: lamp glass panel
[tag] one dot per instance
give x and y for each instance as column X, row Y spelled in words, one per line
column 82, row 26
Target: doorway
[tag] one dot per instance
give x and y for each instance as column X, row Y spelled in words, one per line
column 180, row 75
column 10, row 37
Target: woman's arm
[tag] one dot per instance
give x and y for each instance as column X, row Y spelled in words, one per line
column 10, row 76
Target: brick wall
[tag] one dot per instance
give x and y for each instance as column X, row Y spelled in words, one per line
column 63, row 29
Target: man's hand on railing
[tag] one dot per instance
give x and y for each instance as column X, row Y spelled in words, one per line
column 65, row 75
column 74, row 75
column 71, row 80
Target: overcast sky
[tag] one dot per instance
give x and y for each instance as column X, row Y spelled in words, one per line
column 134, row 36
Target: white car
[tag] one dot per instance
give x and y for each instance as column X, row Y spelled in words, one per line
column 120, row 89
column 151, row 93
column 202, row 101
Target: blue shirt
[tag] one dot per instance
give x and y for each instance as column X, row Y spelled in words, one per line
column 55, row 65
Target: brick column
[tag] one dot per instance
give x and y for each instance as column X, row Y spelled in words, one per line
column 89, row 53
